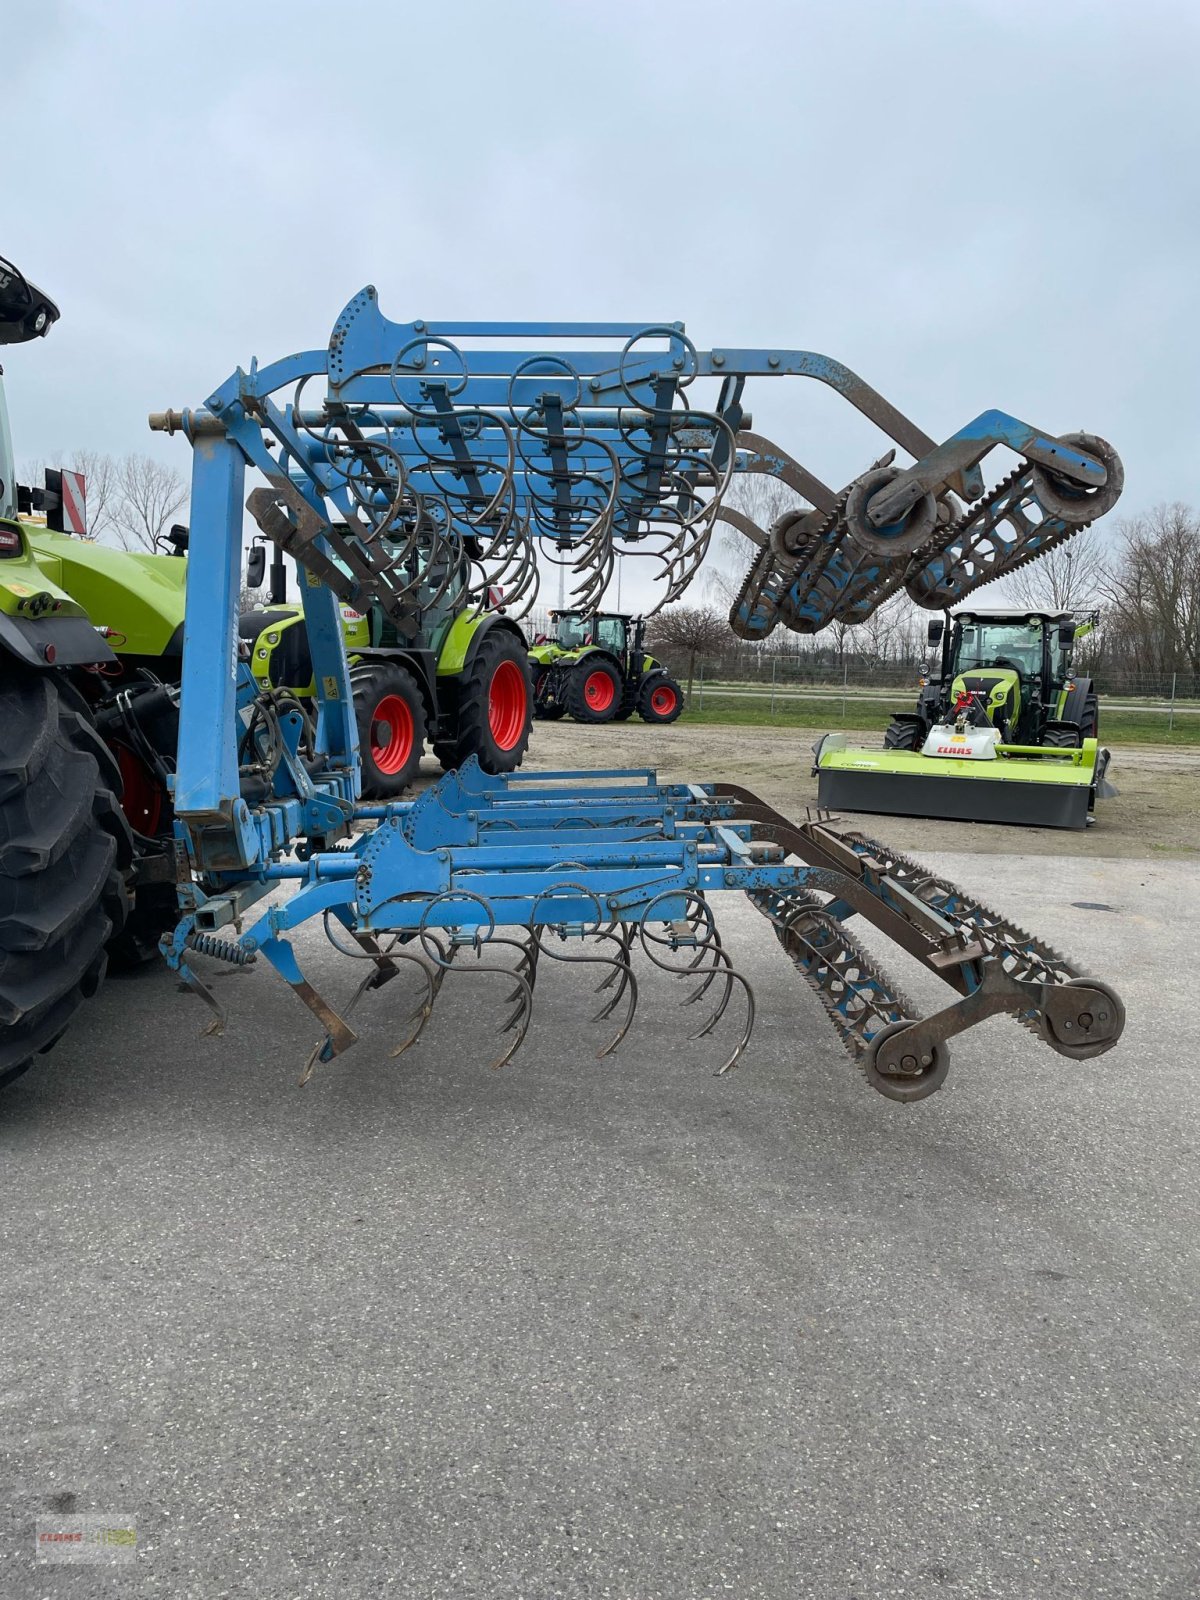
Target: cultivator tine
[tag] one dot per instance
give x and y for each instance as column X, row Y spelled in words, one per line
column 621, row 972
column 475, row 936
column 697, row 930
column 384, row 968
column 198, row 987
column 420, row 1014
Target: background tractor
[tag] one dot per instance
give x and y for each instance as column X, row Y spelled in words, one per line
column 1003, row 730
column 1014, row 667
column 458, row 677
column 595, row 668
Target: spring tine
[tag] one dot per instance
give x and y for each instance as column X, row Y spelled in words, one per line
column 520, row 1019
column 628, row 981
column 747, row 1030
column 725, row 967
column 624, row 933
column 654, row 944
column 433, row 987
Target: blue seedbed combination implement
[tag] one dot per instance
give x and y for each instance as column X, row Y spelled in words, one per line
column 401, row 451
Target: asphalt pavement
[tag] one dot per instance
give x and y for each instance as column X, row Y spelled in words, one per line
column 614, row 1328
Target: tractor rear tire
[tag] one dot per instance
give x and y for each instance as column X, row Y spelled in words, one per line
column 1061, row 739
column 660, row 699
column 495, row 706
column 902, row 736
column 1089, row 723
column 594, row 690
column 65, row 848
column 390, row 711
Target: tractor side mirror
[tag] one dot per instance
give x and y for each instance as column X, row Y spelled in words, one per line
column 178, row 538
column 1066, row 635
column 936, row 628
column 256, row 566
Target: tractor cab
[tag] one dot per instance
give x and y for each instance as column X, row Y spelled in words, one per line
column 1010, row 667
column 998, row 664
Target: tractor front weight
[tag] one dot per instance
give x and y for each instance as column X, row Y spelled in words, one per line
column 397, row 459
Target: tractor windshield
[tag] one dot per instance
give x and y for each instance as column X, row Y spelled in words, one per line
column 1013, row 641
column 570, row 631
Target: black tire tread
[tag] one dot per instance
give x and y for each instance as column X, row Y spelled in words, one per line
column 368, row 682
column 902, row 736
column 574, row 696
column 655, row 681
column 65, row 847
column 474, row 736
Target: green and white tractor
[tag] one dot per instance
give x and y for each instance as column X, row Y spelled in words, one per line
column 1003, row 730
column 594, row 667
column 460, row 680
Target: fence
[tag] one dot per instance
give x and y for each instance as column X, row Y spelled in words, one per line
column 861, row 694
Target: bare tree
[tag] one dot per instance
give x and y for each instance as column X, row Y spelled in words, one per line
column 147, row 497
column 1153, row 590
column 1069, row 578
column 697, row 630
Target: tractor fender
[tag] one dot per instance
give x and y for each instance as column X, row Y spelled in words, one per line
column 1073, row 704
column 421, row 663
column 590, row 653
column 916, row 718
column 50, row 642
column 465, row 636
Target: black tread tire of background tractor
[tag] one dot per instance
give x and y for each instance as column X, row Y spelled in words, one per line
column 902, row 736
column 372, row 682
column 576, row 686
column 1061, row 739
column 475, row 737
column 65, row 847
column 1089, row 723
column 645, row 705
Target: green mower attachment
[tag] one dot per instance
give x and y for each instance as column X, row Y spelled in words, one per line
column 1028, row 785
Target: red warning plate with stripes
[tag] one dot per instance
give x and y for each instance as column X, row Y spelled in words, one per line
column 74, row 502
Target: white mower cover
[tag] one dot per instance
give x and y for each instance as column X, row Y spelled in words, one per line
column 970, row 744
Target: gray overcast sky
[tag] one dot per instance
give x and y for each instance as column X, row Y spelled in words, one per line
column 988, row 202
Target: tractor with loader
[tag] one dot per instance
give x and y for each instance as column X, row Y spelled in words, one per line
column 596, row 668
column 1003, row 731
column 397, row 450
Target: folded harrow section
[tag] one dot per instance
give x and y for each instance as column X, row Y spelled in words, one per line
column 492, row 878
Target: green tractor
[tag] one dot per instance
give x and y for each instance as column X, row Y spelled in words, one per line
column 1003, row 730
column 594, row 667
column 461, row 680
column 90, row 649
column 1014, row 666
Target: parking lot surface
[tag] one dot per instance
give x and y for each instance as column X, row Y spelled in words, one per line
column 614, row 1328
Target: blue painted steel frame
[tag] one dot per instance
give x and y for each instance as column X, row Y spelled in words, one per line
column 630, row 838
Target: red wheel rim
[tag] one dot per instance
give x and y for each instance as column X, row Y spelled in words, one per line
column 507, row 704
column 662, row 700
column 599, row 691
column 141, row 793
column 391, row 733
